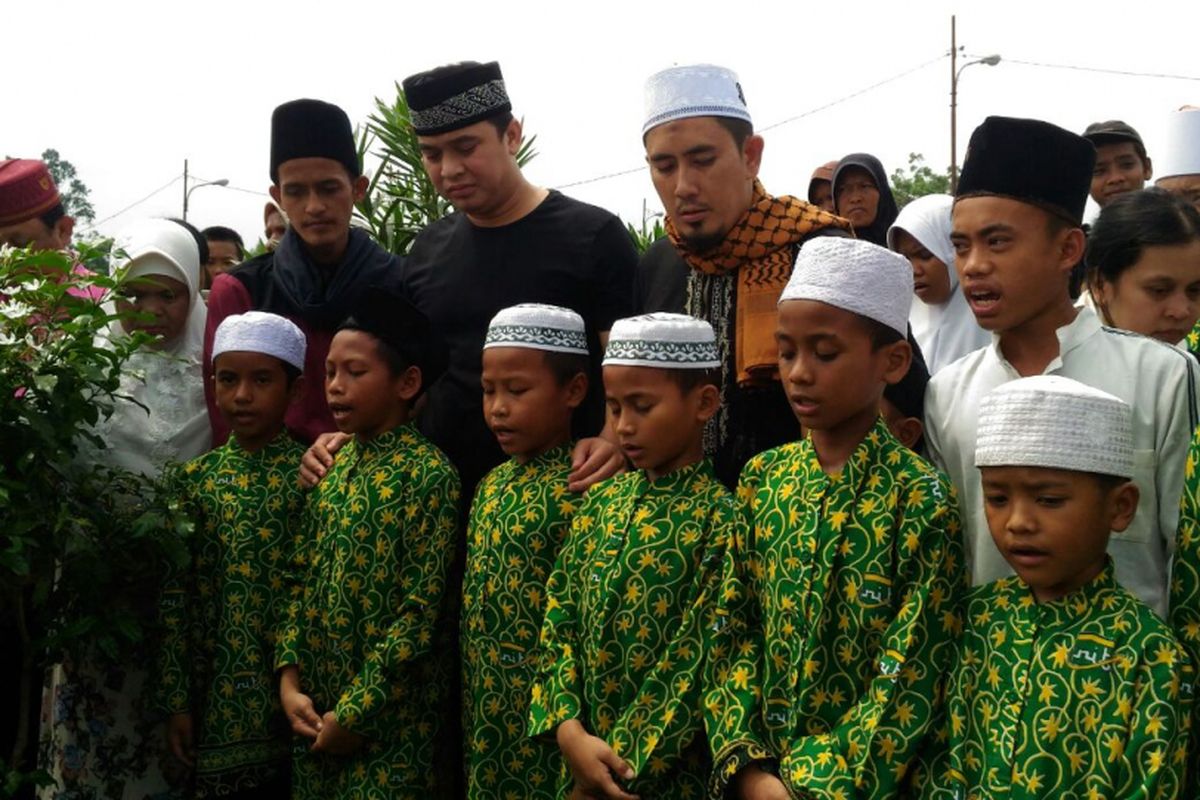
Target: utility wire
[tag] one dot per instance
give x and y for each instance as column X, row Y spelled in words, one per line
column 781, row 122
column 1077, row 68
column 134, row 204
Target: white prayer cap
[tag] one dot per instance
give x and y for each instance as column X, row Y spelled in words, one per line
column 538, row 327
column 698, row 90
column 260, row 332
column 856, row 276
column 666, row 341
column 1182, row 153
column 1057, row 423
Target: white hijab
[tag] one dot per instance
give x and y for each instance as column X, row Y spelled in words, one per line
column 948, row 331
column 168, row 380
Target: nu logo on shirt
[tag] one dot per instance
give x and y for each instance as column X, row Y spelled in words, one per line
column 876, row 590
column 1090, row 650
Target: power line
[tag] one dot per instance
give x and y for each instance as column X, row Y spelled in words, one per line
column 781, row 122
column 134, row 204
column 1102, row 70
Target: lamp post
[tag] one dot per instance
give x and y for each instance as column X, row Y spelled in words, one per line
column 955, row 72
column 187, row 192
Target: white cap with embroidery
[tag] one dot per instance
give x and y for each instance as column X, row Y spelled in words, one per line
column 538, row 327
column 261, row 332
column 666, row 341
column 698, row 90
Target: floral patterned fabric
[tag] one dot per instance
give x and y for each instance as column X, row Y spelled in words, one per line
column 626, row 624
column 366, row 621
column 1088, row 696
column 220, row 616
column 519, row 519
column 839, row 602
column 1185, row 592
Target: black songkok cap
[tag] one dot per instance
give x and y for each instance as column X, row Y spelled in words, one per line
column 312, row 129
column 455, row 96
column 1031, row 161
column 396, row 322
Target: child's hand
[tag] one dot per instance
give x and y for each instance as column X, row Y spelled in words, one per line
column 334, row 739
column 592, row 764
column 298, row 707
column 179, row 738
column 319, row 458
column 753, row 783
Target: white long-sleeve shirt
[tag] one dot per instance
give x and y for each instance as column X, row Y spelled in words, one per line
column 1160, row 383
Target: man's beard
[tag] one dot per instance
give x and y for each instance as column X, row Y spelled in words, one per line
column 702, row 243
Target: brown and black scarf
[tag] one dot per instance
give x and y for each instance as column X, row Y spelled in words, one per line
column 760, row 248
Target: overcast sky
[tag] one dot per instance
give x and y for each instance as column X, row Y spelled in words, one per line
column 126, row 91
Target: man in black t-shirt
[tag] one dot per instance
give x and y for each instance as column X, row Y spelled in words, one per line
column 508, row 242
column 729, row 249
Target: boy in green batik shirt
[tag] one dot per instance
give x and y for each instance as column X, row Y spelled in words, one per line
column 535, row 362
column 364, row 667
column 839, row 598
column 216, row 668
column 626, row 609
column 1064, row 684
column 1185, row 590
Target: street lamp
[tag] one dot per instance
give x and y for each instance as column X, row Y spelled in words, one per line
column 187, row 192
column 990, row 61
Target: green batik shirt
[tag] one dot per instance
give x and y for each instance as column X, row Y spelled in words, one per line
column 366, row 612
column 1184, row 614
column 838, row 604
column 520, row 516
column 1084, row 697
column 626, row 614
column 219, row 615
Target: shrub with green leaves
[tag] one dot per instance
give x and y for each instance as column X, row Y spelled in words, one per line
column 82, row 545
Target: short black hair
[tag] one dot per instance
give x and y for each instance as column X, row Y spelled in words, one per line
column 395, row 361
column 51, row 217
column 688, row 379
column 565, row 366
column 219, row 233
column 881, row 335
column 739, row 129
column 290, row 373
column 1099, row 140
column 501, row 121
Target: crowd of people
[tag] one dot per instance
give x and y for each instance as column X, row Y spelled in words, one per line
column 815, row 498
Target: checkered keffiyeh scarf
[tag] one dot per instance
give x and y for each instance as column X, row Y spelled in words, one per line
column 760, row 248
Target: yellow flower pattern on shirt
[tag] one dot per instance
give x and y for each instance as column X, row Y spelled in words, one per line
column 1184, row 614
column 1088, row 696
column 520, row 516
column 838, row 606
column 366, row 619
column 219, row 616
column 623, row 639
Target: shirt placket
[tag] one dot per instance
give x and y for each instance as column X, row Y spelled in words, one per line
column 1016, row 710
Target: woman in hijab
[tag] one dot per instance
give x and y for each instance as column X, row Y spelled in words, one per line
column 100, row 737
column 861, row 194
column 941, row 320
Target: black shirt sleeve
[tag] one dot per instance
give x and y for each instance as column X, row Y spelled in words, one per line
column 661, row 282
column 616, row 262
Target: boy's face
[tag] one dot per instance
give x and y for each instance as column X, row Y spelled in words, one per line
column 1118, row 169
column 829, row 371
column 1052, row 525
column 524, row 404
column 253, row 394
column 659, row 426
column 364, row 396
column 931, row 278
column 1012, row 263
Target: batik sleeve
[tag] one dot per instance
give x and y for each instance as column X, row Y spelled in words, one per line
column 296, row 578
column 557, row 693
column 869, row 751
column 174, row 609
column 430, row 525
column 1154, row 752
column 1185, row 590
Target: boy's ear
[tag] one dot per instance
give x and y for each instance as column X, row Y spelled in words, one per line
column 897, row 358
column 1123, row 503
column 577, row 390
column 909, row 431
column 297, row 389
column 408, row 383
column 708, row 401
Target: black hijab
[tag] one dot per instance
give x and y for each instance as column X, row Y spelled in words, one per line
column 886, row 213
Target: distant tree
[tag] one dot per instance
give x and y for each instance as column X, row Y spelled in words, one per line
column 73, row 190
column 918, row 181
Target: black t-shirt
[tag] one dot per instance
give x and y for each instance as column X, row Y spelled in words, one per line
column 564, row 253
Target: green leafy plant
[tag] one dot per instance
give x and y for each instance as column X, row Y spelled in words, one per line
column 918, row 181
column 646, row 234
column 400, row 199
column 82, row 545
